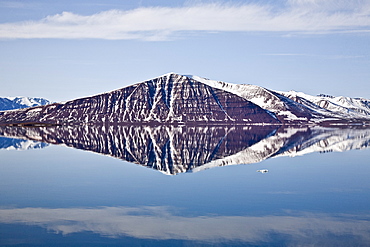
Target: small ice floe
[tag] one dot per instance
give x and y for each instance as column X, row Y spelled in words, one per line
column 263, row 171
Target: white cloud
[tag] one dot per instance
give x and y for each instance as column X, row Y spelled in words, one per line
column 160, row 23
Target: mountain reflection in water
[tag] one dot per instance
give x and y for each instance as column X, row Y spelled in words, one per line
column 19, row 144
column 178, row 149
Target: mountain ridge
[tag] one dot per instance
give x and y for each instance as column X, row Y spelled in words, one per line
column 183, row 99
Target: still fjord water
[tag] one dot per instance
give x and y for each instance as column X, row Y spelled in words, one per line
column 63, row 196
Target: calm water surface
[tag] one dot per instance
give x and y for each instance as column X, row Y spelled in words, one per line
column 183, row 186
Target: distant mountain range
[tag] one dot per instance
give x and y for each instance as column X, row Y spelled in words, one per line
column 11, row 103
column 177, row 149
column 181, row 99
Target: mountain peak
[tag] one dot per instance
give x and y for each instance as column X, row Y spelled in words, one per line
column 169, row 74
column 169, row 99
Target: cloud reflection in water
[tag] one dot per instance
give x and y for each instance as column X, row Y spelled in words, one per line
column 162, row 223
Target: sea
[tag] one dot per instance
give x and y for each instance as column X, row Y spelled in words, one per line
column 185, row 186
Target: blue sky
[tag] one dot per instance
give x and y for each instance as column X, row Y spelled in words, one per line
column 63, row 50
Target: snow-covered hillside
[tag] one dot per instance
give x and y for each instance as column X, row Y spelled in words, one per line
column 298, row 107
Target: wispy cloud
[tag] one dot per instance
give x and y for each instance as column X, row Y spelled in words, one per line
column 288, row 54
column 14, row 4
column 162, row 23
column 314, row 55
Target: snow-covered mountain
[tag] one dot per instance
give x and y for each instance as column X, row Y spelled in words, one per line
column 180, row 99
column 344, row 107
column 174, row 149
column 11, row 103
column 295, row 107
